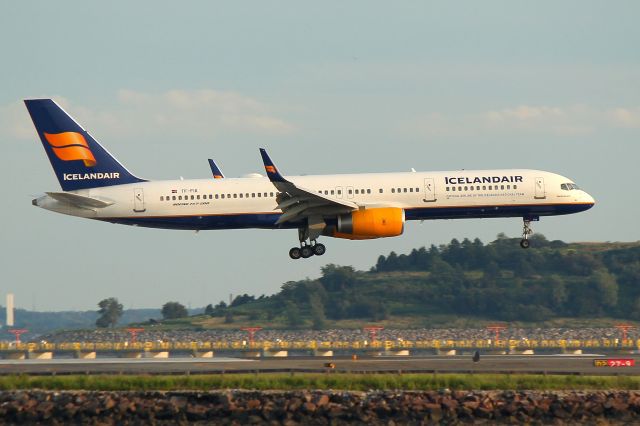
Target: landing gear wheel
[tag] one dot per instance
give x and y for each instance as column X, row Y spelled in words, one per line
column 295, row 253
column 306, row 252
column 319, row 249
column 524, row 244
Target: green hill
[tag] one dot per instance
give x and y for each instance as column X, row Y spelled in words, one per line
column 461, row 283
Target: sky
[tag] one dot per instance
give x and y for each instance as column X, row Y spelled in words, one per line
column 326, row 87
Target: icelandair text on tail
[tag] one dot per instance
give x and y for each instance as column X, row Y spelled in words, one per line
column 90, row 176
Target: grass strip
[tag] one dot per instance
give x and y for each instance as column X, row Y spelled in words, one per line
column 336, row 381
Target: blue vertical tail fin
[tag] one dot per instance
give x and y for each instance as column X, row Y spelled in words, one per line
column 78, row 160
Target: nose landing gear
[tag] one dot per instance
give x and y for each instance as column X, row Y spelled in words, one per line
column 526, row 231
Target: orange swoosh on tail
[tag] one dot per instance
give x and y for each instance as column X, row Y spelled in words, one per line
column 69, row 146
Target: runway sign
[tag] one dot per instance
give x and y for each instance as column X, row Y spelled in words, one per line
column 614, row 362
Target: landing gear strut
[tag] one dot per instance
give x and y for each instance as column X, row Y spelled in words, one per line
column 311, row 248
column 526, row 231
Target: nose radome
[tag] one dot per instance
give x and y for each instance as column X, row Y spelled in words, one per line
column 589, row 199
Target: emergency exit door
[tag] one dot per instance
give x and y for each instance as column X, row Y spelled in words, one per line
column 540, row 192
column 138, row 200
column 429, row 190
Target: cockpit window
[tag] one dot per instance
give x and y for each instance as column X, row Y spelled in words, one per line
column 568, row 186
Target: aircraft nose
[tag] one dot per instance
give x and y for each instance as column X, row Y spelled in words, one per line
column 589, row 199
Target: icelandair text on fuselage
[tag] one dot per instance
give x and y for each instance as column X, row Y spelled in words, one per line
column 90, row 176
column 483, row 179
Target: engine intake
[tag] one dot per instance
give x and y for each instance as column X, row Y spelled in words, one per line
column 370, row 223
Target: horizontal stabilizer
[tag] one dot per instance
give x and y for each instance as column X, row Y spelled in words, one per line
column 79, row 200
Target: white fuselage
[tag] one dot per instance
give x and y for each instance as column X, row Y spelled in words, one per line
column 251, row 202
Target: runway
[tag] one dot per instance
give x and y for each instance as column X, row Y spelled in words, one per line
column 533, row 364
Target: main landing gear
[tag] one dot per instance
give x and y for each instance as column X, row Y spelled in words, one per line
column 526, row 231
column 305, row 251
column 311, row 248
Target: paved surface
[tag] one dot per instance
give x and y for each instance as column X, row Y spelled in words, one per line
column 539, row 364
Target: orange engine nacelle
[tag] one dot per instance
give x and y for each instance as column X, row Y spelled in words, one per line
column 370, row 223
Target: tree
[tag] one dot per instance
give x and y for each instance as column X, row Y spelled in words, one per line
column 318, row 317
column 173, row 310
column 292, row 314
column 110, row 312
column 208, row 310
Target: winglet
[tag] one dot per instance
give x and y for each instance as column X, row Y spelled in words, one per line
column 272, row 172
column 217, row 173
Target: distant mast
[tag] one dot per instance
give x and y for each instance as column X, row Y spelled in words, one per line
column 10, row 308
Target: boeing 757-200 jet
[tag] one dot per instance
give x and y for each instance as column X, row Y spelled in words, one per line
column 353, row 206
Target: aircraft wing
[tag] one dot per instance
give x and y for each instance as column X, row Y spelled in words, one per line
column 297, row 202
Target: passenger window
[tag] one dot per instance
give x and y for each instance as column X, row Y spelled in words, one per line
column 501, row 186
column 405, row 190
column 357, row 191
column 447, row 189
column 350, row 191
column 515, row 186
column 339, row 192
column 161, row 198
column 272, row 194
column 368, row 191
column 253, row 195
column 393, row 190
column 466, row 188
column 478, row 188
column 241, row 195
column 326, row 192
column 380, row 190
column 417, row 189
column 266, row 194
column 484, row 187
column 453, row 188
column 179, row 197
column 198, row 197
column 235, row 195
column 259, row 194
column 410, row 189
column 471, row 188
column 508, row 186
column 174, row 197
column 459, row 189
column 332, row 192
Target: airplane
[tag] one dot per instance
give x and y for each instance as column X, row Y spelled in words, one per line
column 351, row 206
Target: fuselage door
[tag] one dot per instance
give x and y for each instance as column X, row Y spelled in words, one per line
column 429, row 190
column 349, row 190
column 138, row 200
column 338, row 192
column 540, row 192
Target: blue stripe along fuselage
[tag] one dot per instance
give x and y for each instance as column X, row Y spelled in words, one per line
column 268, row 220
